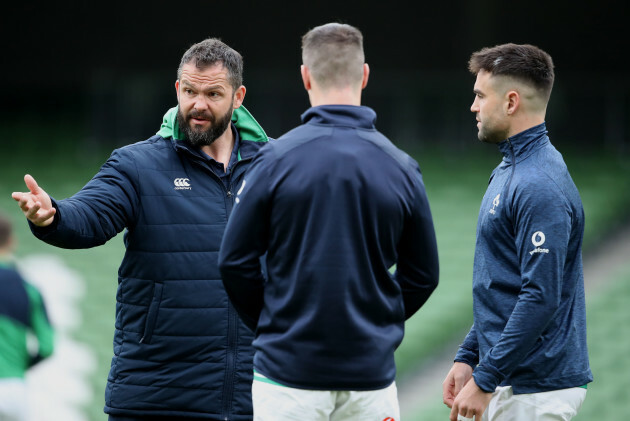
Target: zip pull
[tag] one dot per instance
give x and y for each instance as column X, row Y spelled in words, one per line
column 229, row 193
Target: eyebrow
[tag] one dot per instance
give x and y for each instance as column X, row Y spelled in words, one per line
column 210, row 88
column 477, row 92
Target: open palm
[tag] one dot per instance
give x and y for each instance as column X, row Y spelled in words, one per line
column 35, row 203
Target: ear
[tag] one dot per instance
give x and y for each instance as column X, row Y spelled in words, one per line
column 239, row 96
column 366, row 75
column 177, row 89
column 306, row 77
column 513, row 102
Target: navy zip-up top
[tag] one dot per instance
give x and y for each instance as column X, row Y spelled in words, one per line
column 180, row 349
column 335, row 205
column 529, row 328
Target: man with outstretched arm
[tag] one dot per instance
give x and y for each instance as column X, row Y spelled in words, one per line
column 180, row 349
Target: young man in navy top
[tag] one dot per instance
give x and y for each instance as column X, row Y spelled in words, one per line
column 334, row 205
column 525, row 357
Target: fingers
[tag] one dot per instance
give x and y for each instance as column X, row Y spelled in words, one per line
column 23, row 200
column 459, row 375
column 32, row 209
column 31, row 184
column 448, row 394
column 40, row 217
column 470, row 402
column 462, row 414
column 17, row 196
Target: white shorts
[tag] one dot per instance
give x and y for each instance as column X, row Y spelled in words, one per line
column 555, row 405
column 273, row 402
column 13, row 400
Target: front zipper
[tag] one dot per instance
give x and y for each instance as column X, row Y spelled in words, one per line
column 513, row 164
column 230, row 361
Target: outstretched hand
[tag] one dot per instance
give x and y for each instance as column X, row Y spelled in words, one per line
column 35, row 203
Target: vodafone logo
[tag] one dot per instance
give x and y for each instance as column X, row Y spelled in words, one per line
column 389, row 419
column 538, row 239
column 182, row 184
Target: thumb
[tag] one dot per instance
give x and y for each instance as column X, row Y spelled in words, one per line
column 31, row 184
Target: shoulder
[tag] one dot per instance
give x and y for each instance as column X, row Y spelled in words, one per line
column 250, row 148
column 12, row 281
column 9, row 273
column 297, row 137
column 154, row 144
column 541, row 184
column 143, row 153
column 402, row 158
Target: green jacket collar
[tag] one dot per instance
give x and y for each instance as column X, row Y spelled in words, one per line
column 247, row 126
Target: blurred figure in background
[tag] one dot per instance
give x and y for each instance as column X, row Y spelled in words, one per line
column 180, row 349
column 525, row 357
column 22, row 315
column 335, row 205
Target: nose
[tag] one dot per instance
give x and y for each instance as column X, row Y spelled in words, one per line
column 200, row 103
column 474, row 107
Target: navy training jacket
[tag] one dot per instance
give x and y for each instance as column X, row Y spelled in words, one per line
column 529, row 327
column 335, row 205
column 180, row 349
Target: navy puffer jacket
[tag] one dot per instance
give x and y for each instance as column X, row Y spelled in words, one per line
column 180, row 348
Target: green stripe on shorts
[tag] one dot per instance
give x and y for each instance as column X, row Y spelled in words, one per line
column 261, row 378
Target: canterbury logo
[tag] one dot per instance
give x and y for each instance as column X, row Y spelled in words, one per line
column 182, row 184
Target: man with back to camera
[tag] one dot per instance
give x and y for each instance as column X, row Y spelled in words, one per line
column 22, row 313
column 335, row 205
column 525, row 358
column 180, row 350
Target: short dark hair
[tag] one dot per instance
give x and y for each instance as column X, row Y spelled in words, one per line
column 524, row 62
column 212, row 51
column 5, row 230
column 334, row 54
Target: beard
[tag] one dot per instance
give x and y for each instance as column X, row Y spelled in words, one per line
column 200, row 137
column 489, row 134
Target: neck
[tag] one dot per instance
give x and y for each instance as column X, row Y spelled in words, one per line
column 344, row 96
column 221, row 149
column 525, row 122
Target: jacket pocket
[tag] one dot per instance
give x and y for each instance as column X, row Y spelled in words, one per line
column 152, row 313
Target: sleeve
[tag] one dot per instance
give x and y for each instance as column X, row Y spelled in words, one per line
column 468, row 351
column 40, row 323
column 100, row 210
column 542, row 224
column 417, row 268
column 246, row 239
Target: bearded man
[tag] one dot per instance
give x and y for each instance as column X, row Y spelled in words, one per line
column 180, row 349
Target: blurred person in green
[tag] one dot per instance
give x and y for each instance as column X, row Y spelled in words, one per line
column 22, row 313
